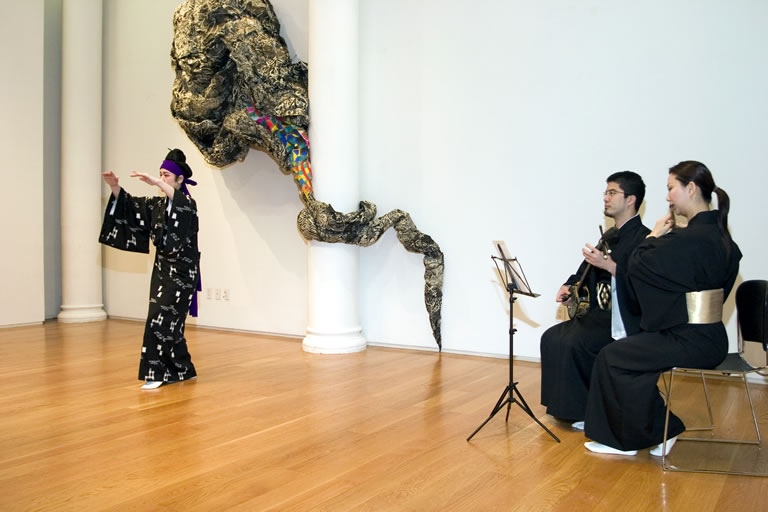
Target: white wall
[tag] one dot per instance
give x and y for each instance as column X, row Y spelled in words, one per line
column 21, row 135
column 248, row 238
column 500, row 119
column 485, row 120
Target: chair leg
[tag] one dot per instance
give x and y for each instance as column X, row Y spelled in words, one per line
column 752, row 407
column 709, row 405
column 668, row 392
column 711, row 426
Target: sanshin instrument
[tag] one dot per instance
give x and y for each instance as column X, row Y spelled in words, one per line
column 578, row 299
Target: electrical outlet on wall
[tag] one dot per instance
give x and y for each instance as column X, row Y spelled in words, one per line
column 218, row 293
column 209, row 293
column 225, row 294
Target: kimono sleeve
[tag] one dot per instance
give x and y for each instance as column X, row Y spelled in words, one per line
column 629, row 306
column 665, row 262
column 181, row 225
column 574, row 278
column 126, row 224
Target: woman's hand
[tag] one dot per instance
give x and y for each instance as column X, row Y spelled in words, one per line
column 146, row 178
column 112, row 180
column 663, row 225
column 155, row 181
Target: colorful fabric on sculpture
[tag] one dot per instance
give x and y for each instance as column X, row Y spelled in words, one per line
column 295, row 142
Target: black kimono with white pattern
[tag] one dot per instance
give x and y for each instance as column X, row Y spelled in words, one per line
column 129, row 224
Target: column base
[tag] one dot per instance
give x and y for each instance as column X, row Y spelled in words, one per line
column 334, row 343
column 74, row 314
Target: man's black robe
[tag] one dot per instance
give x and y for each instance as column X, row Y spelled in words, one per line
column 569, row 349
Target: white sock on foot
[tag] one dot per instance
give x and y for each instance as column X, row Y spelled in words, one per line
column 578, row 425
column 596, row 447
column 152, row 384
column 656, row 452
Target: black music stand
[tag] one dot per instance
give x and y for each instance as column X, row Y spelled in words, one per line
column 515, row 282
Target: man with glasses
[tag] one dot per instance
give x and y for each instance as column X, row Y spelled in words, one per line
column 569, row 349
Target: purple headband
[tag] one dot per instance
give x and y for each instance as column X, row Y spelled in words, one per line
column 170, row 165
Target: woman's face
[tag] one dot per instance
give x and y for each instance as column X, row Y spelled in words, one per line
column 170, row 178
column 677, row 195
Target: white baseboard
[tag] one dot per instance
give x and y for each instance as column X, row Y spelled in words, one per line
column 752, row 378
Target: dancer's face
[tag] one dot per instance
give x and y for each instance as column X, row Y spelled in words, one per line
column 170, row 178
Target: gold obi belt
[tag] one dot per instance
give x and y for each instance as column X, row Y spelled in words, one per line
column 705, row 306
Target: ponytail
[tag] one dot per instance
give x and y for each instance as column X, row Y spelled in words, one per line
column 723, row 207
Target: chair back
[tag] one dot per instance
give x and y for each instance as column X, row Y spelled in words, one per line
column 752, row 311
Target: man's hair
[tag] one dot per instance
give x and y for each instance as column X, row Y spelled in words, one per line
column 631, row 184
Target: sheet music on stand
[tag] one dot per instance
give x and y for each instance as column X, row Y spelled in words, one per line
column 513, row 275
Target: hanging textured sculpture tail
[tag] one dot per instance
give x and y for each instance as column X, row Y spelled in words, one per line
column 237, row 88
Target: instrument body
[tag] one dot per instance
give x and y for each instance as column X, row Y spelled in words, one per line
column 578, row 301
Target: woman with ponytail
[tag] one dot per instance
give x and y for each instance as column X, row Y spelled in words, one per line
column 170, row 221
column 680, row 276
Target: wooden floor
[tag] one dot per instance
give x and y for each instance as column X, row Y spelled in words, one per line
column 267, row 426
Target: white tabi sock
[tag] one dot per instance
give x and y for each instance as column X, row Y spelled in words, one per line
column 656, row 452
column 596, row 447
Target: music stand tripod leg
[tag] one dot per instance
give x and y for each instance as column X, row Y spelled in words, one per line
column 524, row 406
column 503, row 400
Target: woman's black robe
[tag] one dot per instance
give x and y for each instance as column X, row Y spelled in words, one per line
column 129, row 224
column 624, row 407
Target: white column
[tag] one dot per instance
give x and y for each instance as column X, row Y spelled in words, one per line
column 81, row 188
column 333, row 320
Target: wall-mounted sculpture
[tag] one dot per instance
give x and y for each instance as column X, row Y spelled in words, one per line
column 237, row 88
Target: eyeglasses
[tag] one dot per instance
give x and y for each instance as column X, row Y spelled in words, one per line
column 611, row 193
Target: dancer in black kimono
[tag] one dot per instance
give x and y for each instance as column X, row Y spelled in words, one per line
column 670, row 272
column 568, row 349
column 170, row 221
